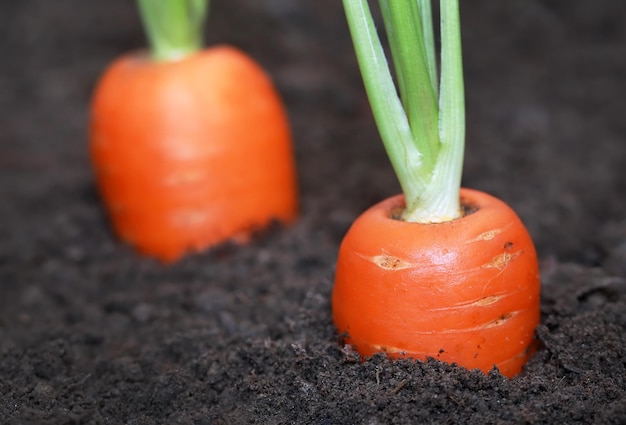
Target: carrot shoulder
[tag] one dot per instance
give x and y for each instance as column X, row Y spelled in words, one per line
column 464, row 291
column 192, row 152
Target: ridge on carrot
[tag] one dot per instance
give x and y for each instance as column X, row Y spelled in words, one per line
column 190, row 144
column 440, row 271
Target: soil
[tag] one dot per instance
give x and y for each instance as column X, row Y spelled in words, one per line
column 92, row 333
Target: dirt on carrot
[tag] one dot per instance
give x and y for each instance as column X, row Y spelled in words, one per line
column 191, row 153
column 464, row 291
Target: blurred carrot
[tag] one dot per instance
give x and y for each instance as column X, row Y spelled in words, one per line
column 191, row 146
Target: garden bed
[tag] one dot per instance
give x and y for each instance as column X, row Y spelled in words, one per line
column 90, row 332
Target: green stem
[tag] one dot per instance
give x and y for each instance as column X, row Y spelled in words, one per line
column 174, row 28
column 429, row 41
column 408, row 48
column 443, row 192
column 423, row 130
column 387, row 108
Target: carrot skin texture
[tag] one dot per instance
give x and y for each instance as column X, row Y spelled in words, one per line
column 464, row 291
column 191, row 153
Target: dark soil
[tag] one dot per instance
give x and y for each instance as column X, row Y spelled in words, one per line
column 92, row 333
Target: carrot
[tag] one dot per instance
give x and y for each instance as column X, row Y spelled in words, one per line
column 462, row 291
column 439, row 271
column 191, row 146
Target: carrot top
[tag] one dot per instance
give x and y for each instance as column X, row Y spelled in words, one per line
column 422, row 121
column 174, row 27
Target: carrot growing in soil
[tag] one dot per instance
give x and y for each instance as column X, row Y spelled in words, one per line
column 191, row 145
column 439, row 271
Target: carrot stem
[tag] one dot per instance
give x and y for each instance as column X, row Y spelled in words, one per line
column 174, row 28
column 429, row 41
column 447, row 175
column 408, row 48
column 422, row 128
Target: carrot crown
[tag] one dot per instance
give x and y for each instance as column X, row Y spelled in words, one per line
column 422, row 121
column 174, row 27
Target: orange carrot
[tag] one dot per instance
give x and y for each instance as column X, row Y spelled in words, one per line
column 464, row 291
column 438, row 271
column 192, row 151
